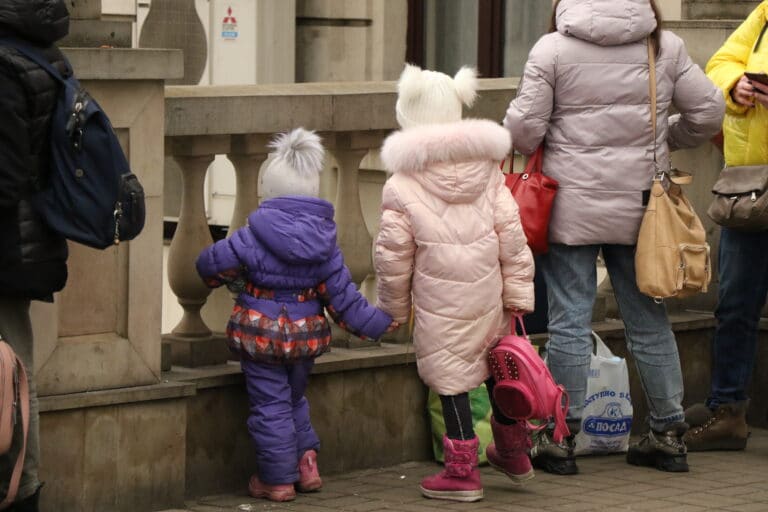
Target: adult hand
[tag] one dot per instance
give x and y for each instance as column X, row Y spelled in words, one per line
column 761, row 93
column 743, row 92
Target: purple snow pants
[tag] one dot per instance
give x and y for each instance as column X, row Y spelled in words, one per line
column 279, row 421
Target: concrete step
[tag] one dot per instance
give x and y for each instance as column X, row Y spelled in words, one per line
column 717, row 9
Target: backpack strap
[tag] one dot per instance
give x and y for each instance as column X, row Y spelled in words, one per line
column 23, row 398
column 35, row 54
column 561, row 409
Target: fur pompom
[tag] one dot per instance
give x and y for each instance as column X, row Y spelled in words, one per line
column 300, row 149
column 466, row 85
column 410, row 82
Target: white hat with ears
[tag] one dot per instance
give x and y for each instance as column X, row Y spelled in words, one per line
column 429, row 97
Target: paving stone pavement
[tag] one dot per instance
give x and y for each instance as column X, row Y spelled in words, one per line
column 729, row 481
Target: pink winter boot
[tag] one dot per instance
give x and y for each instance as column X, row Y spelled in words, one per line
column 508, row 452
column 309, row 476
column 460, row 480
column 257, row 489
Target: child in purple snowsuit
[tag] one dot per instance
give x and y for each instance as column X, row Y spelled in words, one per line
column 287, row 268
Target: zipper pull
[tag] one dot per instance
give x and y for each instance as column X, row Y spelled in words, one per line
column 117, row 214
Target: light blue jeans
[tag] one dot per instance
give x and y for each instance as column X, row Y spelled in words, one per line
column 571, row 279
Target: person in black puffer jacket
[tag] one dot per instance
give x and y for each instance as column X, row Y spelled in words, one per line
column 33, row 259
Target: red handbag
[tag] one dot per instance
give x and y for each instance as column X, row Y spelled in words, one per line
column 534, row 193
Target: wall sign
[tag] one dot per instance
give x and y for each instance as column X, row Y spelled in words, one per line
column 229, row 26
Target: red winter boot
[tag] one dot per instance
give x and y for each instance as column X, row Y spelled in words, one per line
column 509, row 451
column 460, row 480
column 309, row 476
column 257, row 489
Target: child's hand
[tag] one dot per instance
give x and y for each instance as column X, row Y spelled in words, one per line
column 394, row 325
column 518, row 311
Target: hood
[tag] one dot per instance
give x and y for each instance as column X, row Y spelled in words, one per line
column 42, row 22
column 451, row 160
column 298, row 230
column 606, row 22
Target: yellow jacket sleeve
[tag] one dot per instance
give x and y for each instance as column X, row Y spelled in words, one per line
column 728, row 64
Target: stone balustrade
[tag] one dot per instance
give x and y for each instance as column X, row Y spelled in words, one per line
column 238, row 121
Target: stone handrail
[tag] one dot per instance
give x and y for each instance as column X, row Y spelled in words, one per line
column 238, row 121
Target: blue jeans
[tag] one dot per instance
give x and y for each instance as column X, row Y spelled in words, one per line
column 571, row 279
column 743, row 287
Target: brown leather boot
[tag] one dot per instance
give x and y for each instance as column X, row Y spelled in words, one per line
column 725, row 430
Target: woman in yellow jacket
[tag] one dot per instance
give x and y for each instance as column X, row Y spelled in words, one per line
column 720, row 423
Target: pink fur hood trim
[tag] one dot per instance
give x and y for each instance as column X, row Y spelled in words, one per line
column 414, row 149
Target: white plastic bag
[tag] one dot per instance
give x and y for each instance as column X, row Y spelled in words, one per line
column 607, row 417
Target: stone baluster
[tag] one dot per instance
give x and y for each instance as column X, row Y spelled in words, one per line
column 247, row 154
column 191, row 341
column 353, row 237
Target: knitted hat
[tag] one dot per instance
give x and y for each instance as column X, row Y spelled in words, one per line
column 427, row 97
column 295, row 166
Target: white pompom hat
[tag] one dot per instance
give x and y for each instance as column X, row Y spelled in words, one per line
column 429, row 97
column 295, row 166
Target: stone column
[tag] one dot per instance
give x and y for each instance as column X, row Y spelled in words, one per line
column 353, row 236
column 191, row 341
column 103, row 331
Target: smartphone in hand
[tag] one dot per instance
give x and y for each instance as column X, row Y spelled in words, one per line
column 757, row 77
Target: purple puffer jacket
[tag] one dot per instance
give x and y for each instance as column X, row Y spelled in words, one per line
column 287, row 268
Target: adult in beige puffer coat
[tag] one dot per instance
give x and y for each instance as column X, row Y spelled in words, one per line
column 451, row 246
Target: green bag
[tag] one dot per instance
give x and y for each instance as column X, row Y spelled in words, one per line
column 481, row 421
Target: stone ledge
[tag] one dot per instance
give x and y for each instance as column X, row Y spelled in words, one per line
column 337, row 360
column 702, row 24
column 325, row 107
column 614, row 328
column 161, row 391
column 340, row 359
column 125, row 63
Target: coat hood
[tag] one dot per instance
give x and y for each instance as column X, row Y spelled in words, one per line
column 42, row 22
column 606, row 22
column 298, row 230
column 453, row 160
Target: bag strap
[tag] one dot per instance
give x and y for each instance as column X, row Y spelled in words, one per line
column 561, row 410
column 652, row 94
column 23, row 398
column 601, row 349
column 515, row 320
column 35, row 55
column 675, row 176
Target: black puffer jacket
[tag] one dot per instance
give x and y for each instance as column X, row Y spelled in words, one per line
column 32, row 257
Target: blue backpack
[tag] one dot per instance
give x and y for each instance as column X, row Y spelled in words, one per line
column 91, row 196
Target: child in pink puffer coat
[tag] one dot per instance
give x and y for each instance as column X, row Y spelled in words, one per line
column 451, row 245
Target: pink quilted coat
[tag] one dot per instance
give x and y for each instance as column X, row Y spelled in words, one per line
column 451, row 245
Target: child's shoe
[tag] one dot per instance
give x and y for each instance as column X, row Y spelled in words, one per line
column 509, row 451
column 460, row 480
column 309, row 476
column 280, row 492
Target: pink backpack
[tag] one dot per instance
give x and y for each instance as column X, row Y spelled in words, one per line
column 524, row 387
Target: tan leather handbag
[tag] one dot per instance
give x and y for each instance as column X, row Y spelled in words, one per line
column 672, row 256
column 14, row 421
